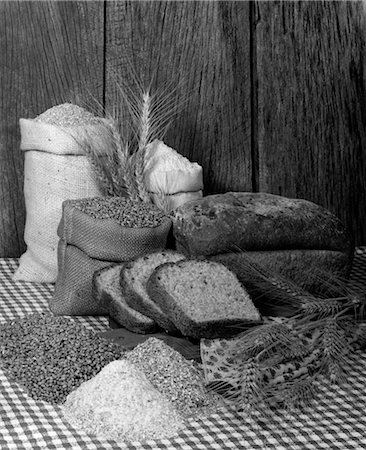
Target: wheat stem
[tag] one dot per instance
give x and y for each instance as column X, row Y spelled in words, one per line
column 144, row 131
column 101, row 173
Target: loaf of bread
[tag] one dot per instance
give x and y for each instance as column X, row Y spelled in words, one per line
column 108, row 294
column 204, row 299
column 133, row 281
column 255, row 222
column 286, row 235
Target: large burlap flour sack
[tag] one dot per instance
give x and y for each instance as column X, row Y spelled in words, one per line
column 55, row 169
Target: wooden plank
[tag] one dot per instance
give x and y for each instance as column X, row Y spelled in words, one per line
column 311, row 100
column 51, row 52
column 206, row 45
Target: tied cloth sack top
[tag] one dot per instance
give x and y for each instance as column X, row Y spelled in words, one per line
column 170, row 178
column 55, row 169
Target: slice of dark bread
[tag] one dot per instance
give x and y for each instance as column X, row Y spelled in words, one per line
column 108, row 293
column 133, row 281
column 204, row 299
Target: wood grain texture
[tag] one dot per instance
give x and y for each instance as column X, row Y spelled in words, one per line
column 51, row 52
column 311, row 100
column 204, row 46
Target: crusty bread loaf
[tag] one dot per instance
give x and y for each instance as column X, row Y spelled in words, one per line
column 256, row 222
column 108, row 293
column 133, row 281
column 202, row 298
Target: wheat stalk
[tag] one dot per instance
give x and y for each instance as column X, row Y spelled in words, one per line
column 124, row 171
column 149, row 116
column 139, row 175
column 144, row 131
column 261, row 339
column 250, row 385
column 334, row 346
column 161, row 200
column 101, row 172
column 299, row 394
column 270, row 289
column 323, row 307
column 293, row 352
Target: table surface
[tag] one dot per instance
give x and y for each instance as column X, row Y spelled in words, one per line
column 336, row 420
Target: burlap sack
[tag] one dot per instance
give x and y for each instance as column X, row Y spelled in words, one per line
column 55, row 169
column 106, row 239
column 88, row 244
column 73, row 289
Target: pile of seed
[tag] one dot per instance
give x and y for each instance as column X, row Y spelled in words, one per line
column 180, row 380
column 67, row 115
column 121, row 404
column 51, row 356
column 124, row 211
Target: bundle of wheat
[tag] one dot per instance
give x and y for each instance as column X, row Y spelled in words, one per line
column 278, row 364
column 120, row 169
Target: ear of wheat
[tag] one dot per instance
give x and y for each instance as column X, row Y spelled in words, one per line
column 97, row 160
column 121, row 171
column 312, row 343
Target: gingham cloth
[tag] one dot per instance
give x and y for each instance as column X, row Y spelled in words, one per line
column 336, row 420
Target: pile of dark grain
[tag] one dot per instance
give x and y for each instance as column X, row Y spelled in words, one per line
column 51, row 356
column 124, row 211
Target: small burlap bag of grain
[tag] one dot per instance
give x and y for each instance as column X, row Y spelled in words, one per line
column 55, row 169
column 96, row 232
column 170, row 178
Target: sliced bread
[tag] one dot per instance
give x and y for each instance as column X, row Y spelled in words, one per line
column 133, row 280
column 108, row 293
column 203, row 299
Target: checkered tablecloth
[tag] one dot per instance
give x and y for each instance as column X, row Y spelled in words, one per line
column 336, row 420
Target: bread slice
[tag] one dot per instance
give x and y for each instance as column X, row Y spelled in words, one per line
column 133, row 283
column 108, row 293
column 202, row 298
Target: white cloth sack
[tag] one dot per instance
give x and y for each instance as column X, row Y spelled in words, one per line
column 170, row 178
column 55, row 169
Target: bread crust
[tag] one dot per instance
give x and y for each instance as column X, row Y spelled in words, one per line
column 136, row 301
column 254, row 222
column 121, row 312
column 188, row 327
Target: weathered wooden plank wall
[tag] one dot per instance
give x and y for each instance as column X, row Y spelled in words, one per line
column 312, row 104
column 276, row 90
column 205, row 48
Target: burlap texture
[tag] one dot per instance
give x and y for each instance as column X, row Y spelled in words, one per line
column 73, row 290
column 49, row 179
column 59, row 140
column 88, row 244
column 55, row 169
column 106, row 239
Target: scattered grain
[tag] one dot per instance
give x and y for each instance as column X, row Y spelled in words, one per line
column 51, row 356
